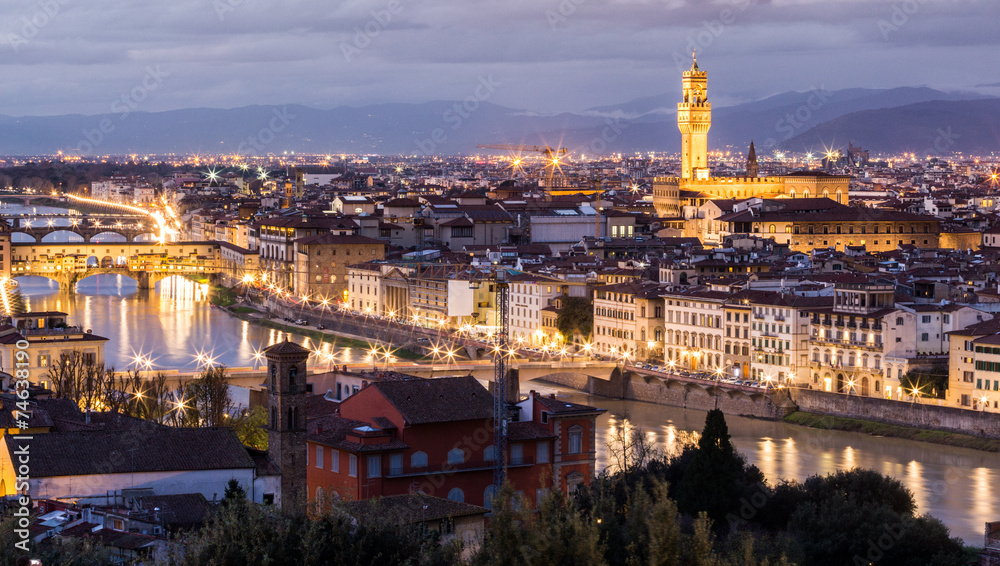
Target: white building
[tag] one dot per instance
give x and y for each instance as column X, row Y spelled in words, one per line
column 529, row 294
column 98, row 465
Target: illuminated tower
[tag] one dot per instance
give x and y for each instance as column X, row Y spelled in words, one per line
column 753, row 170
column 694, row 118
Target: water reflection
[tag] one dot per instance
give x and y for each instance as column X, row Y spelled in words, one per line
column 955, row 485
column 170, row 325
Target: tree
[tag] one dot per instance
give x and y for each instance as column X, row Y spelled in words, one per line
column 664, row 530
column 629, row 448
column 209, row 396
column 249, row 427
column 929, row 382
column 717, row 476
column 235, row 494
column 576, row 316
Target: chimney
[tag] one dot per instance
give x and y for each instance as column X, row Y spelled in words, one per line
column 86, row 416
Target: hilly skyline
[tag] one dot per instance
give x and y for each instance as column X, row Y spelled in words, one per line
column 883, row 120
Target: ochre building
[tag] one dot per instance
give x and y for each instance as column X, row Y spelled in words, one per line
column 694, row 118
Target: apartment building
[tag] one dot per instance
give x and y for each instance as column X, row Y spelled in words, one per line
column 694, row 329
column 529, row 294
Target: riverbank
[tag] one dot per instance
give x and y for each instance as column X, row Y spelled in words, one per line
column 247, row 314
column 829, row 422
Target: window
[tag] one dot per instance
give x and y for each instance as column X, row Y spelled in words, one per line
column 335, row 461
column 540, row 495
column 516, row 454
column 418, row 460
column 490, row 453
column 575, row 439
column 545, row 417
column 923, row 337
column 456, row 495
column 352, row 469
column 374, row 466
column 542, row 452
column 925, row 319
column 319, row 457
column 456, row 456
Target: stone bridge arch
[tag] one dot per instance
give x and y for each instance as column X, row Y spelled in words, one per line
column 47, row 237
column 96, row 236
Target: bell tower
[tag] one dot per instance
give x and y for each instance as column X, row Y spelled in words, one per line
column 286, row 430
column 694, row 118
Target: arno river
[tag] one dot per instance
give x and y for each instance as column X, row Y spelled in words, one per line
column 174, row 323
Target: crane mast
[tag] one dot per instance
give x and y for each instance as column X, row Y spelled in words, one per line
column 501, row 410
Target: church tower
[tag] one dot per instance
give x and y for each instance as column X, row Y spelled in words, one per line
column 753, row 170
column 694, row 118
column 286, row 430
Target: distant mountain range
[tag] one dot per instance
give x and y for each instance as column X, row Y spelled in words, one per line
column 890, row 120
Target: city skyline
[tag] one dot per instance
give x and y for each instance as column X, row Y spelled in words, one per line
column 569, row 55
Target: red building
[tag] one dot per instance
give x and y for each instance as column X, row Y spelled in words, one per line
column 435, row 436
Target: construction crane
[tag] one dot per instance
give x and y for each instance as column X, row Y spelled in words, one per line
column 501, row 410
column 501, row 406
column 551, row 155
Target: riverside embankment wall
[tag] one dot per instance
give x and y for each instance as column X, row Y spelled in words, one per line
column 920, row 415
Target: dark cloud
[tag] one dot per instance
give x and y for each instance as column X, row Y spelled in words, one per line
column 549, row 55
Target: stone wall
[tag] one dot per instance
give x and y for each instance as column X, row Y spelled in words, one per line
column 677, row 394
column 920, row 415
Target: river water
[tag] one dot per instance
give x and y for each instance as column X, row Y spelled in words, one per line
column 958, row 486
column 173, row 324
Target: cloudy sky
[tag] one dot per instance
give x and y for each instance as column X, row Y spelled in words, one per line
column 73, row 56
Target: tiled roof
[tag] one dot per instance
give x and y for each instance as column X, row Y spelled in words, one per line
column 560, row 407
column 437, row 400
column 286, row 348
column 332, row 431
column 162, row 449
column 182, row 510
column 527, row 430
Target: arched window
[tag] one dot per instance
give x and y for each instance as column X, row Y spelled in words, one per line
column 771, row 229
column 488, row 497
column 418, row 460
column 456, row 495
column 490, row 453
column 456, row 456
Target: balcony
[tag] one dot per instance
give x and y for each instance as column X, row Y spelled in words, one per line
column 779, row 317
column 839, row 324
column 852, row 325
